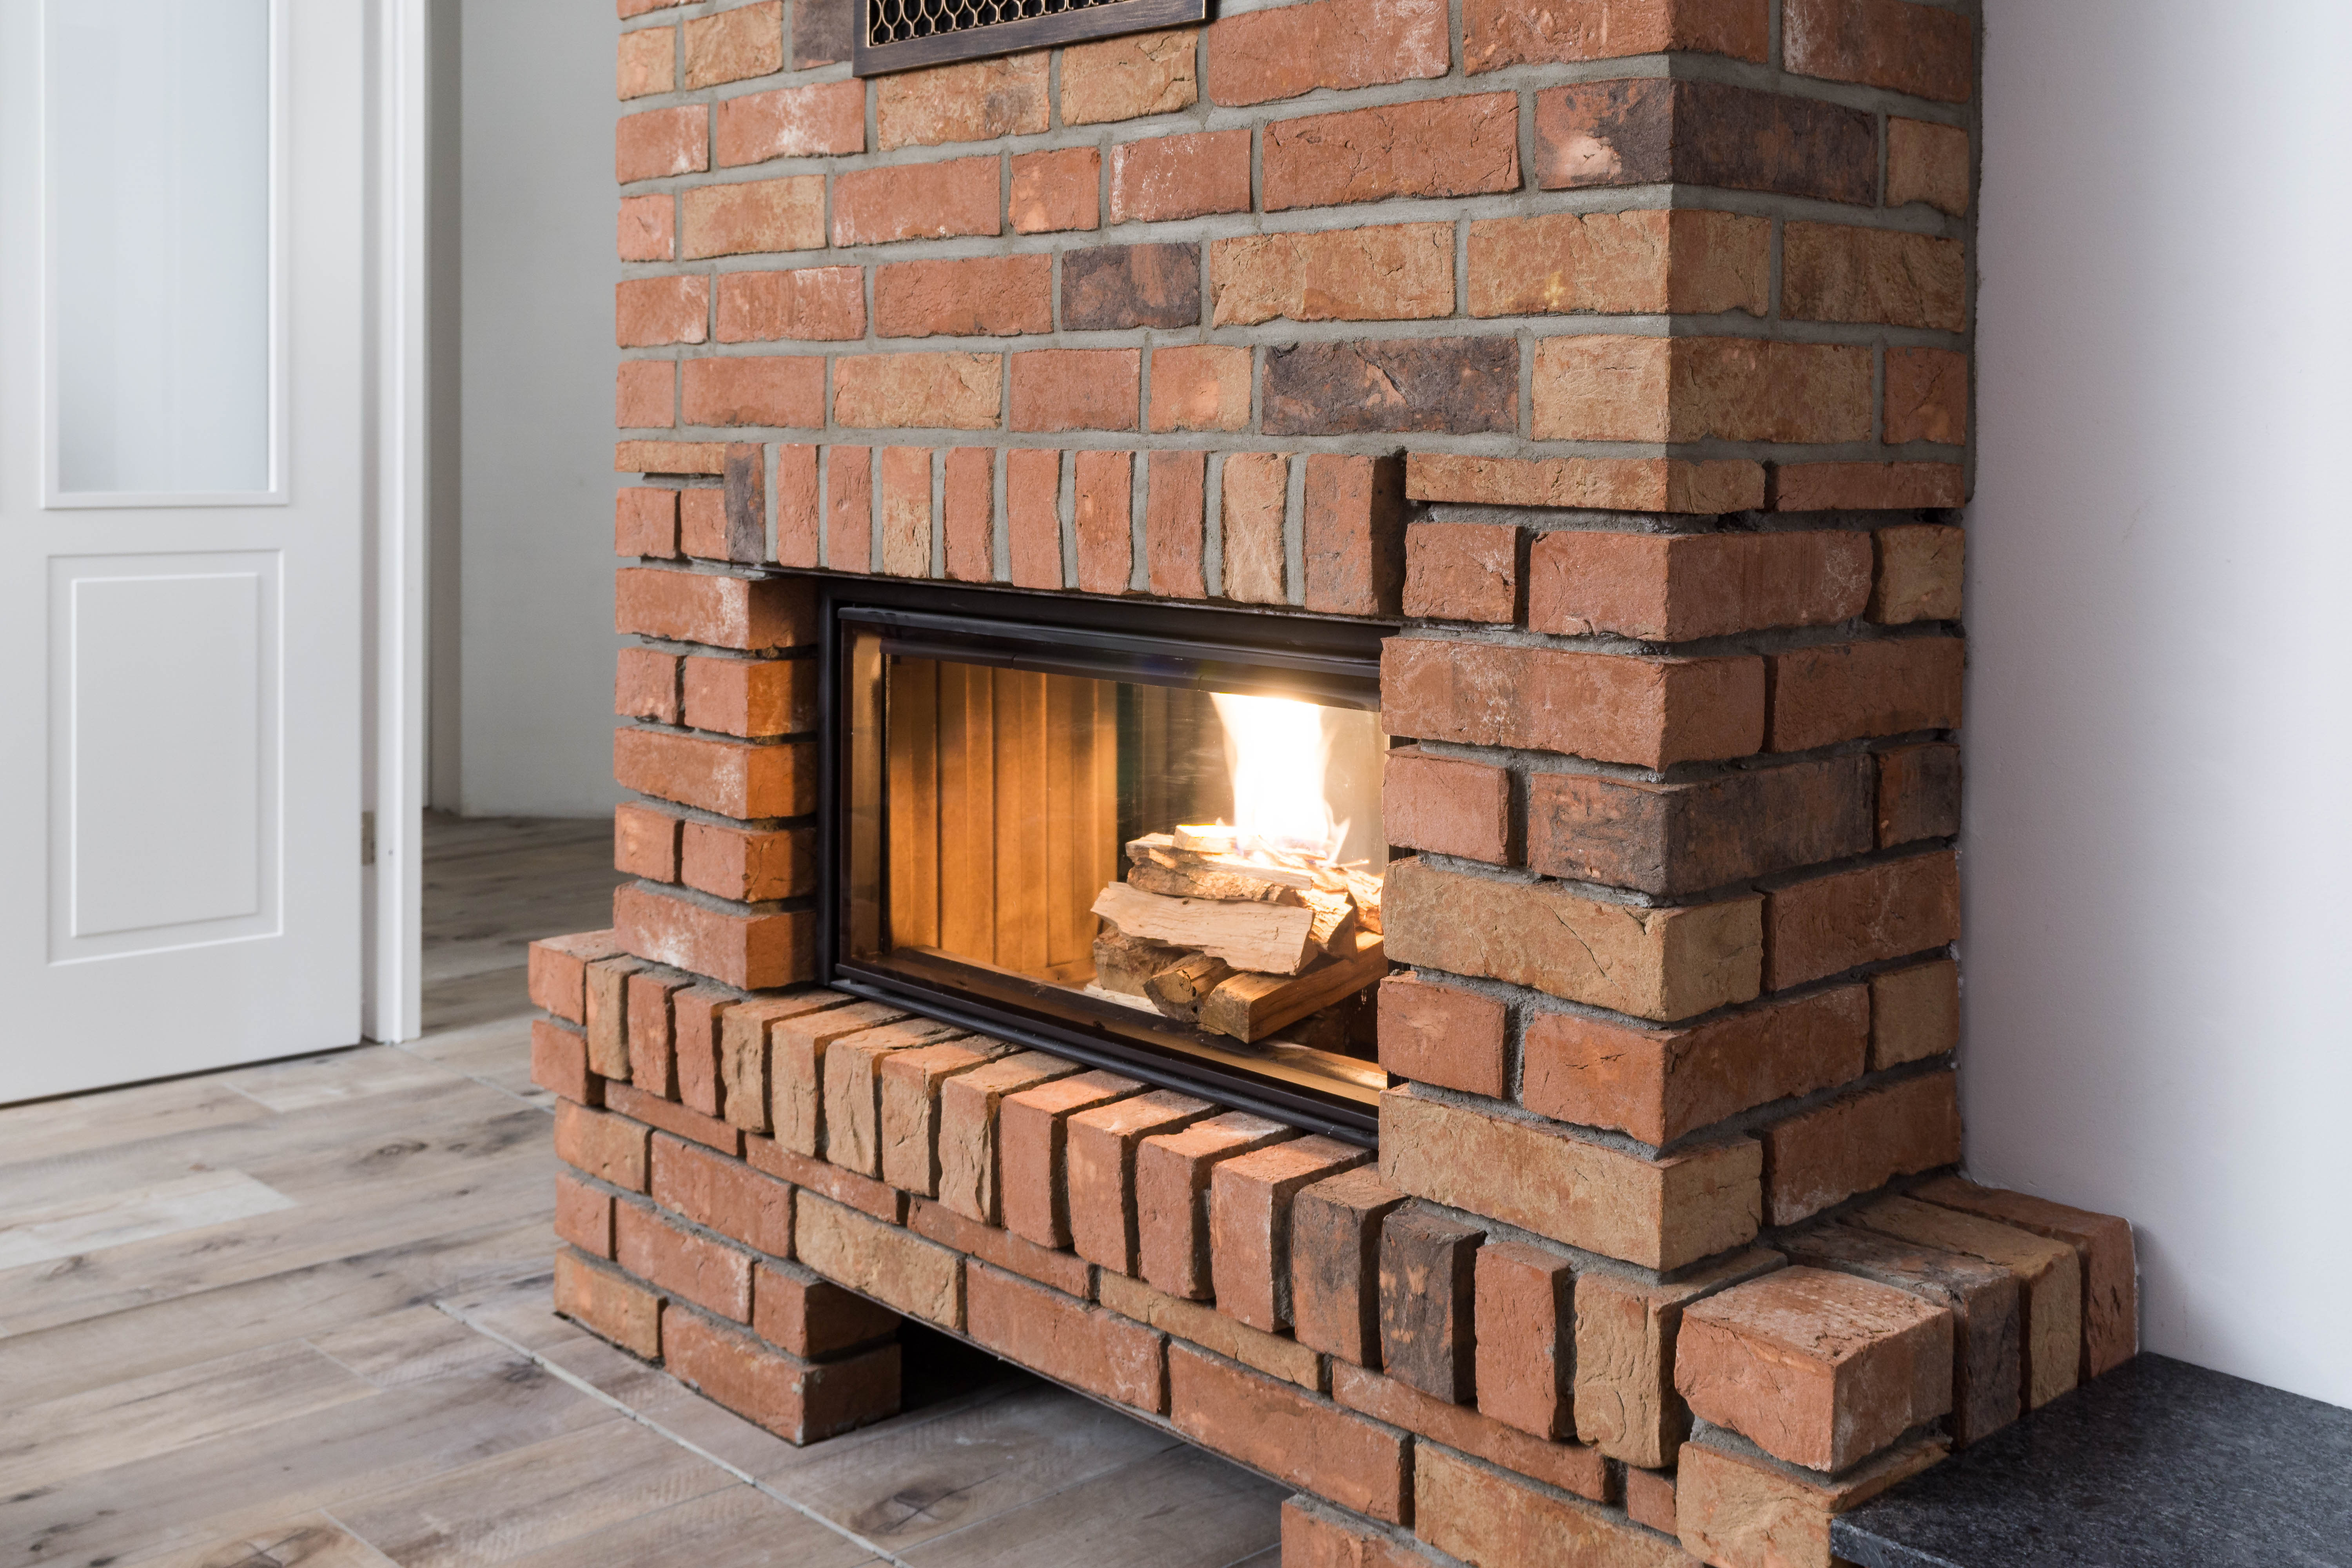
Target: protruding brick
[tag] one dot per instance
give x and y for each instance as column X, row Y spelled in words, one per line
column 1287, row 1433
column 1924, row 50
column 795, row 1400
column 1486, row 1516
column 1089, row 1349
column 1070, row 1275
column 910, row 1082
column 612, row 1149
column 1525, row 1326
column 900, row 1269
column 747, row 1045
column 697, row 1016
column 1171, row 1196
column 1847, row 691
column 798, row 1038
column 1031, row 1139
column 652, row 1062
column 1617, row 484
column 1100, row 1156
column 1426, row 1262
column 1857, row 1143
column 1103, row 521
column 1659, row 1084
column 2102, row 1242
column 976, row 100
column 1175, row 177
column 1056, row 192
column 557, row 973
column 2048, row 1272
column 1603, row 388
column 739, row 612
column 751, row 952
column 1653, row 130
column 1250, row 1201
column 1650, row 712
column 693, row 1267
column 1261, row 55
column 1816, row 1368
column 1738, row 1508
column 610, row 1303
column 969, row 1109
column 559, row 1063
column 1625, row 1329
column 1430, row 1032
column 824, row 121
column 852, row 1129
column 1683, row 839
column 1210, row 1329
column 1567, row 1466
column 1335, row 1243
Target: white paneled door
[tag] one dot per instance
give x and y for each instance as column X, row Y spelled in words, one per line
column 183, row 349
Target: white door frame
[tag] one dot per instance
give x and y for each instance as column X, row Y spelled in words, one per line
column 393, row 727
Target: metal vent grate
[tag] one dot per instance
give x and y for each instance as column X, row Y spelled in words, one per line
column 897, row 35
column 896, row 21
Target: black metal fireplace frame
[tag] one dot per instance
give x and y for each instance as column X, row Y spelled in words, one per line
column 1318, row 656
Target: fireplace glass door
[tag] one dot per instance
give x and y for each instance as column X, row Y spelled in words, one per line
column 1169, row 860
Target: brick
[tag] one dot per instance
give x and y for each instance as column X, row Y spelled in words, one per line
column 751, row 697
column 1857, row 1143
column 1129, row 77
column 1201, row 386
column 649, row 312
column 1738, row 1508
column 646, row 229
column 1648, row 711
column 745, row 491
column 732, row 45
column 950, row 391
column 1101, row 1162
column 1927, row 162
column 1682, row 587
column 1335, row 1239
column 702, row 523
column 646, row 685
column 1312, row 1538
column 646, row 63
column 1462, row 572
column 1256, row 499
column 999, row 1249
column 1172, row 1172
column 1462, row 385
column 1076, row 389
column 820, row 304
column 1174, row 520
column 1033, row 517
column 1650, row 1498
column 823, row 32
column 644, row 394
column 559, row 1063
column 1097, row 1351
column 1848, row 692
column 1402, row 272
column 969, row 524
column 1625, row 1329
column 1263, row 56
column 910, row 1088
column 767, row 392
column 629, row 8
column 1112, row 288
column 739, row 613
column 1425, row 1284
column 1982, row 1298
column 608, row 1015
column 1449, row 806
column 1919, row 574
column 751, row 952
column 1692, row 261
column 1887, row 909
column 723, row 1194
column 970, row 1105
column 2102, row 1243
column 1833, row 272
column 1056, row 192
column 646, row 842
column 798, row 1040
column 1288, row 1434
column 1868, row 487
column 610, row 1147
column 1495, row 1520
column 1914, row 1013
column 1212, row 1330
column 751, row 216
column 1918, row 793
column 907, row 511
column 1174, row 178
column 901, row 1271
column 645, row 522
column 977, row 100
column 824, row 121
column 1924, row 50
column 609, row 1303
column 1662, row 963
column 729, row 777
column 1566, row 1466
column 852, row 1129
column 669, row 1116
column 1661, row 1084
column 1683, row 839
column 684, row 1265
column 795, row 1400
column 1435, row 147
column 916, row 201
column 1032, row 1144
column 848, row 1188
column 1525, row 1320
column 1658, row 1213
column 1620, row 484
column 1352, row 524
column 1649, row 131
column 558, row 971
column 1927, row 396
column 1816, row 1368
column 583, row 1216
column 1251, row 1198
column 1498, row 33
column 986, row 296
column 1602, row 388
column 1104, row 520
column 2048, row 1272
column 1433, row 1033
column 697, row 1012
column 661, row 142
column 747, row 865
column 653, row 1065
column 849, row 507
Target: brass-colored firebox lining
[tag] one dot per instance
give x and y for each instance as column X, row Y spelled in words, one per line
column 898, row 35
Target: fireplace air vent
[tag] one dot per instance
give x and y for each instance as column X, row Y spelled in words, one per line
column 900, row 35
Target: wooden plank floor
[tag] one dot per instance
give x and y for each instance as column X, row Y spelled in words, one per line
column 297, row 1313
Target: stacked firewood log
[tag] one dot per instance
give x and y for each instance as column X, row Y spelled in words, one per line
column 1240, row 944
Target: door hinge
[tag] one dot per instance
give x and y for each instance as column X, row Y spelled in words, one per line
column 367, row 837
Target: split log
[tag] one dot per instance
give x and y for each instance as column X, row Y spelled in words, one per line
column 1335, row 918
column 1217, row 839
column 1270, row 939
column 1251, row 1006
column 1365, row 889
column 1177, row 990
column 1198, row 882
column 1124, row 964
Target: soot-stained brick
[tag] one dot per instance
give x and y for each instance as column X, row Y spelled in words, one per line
column 1457, row 385
column 1116, row 287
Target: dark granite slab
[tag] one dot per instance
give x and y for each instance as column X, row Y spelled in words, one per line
column 2157, row 1464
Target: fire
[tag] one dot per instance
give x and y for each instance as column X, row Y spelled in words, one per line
column 1278, row 750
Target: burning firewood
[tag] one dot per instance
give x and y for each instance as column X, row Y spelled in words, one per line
column 1271, row 938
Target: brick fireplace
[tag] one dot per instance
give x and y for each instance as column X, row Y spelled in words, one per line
column 1600, row 369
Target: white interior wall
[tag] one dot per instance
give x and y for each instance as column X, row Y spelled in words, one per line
column 2159, row 717
column 522, row 642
